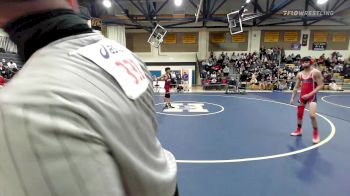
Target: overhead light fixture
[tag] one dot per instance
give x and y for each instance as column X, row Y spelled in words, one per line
column 107, row 3
column 178, row 2
column 247, row 1
column 322, row 1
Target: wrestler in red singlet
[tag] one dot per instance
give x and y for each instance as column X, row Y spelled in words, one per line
column 310, row 81
column 308, row 84
column 167, row 78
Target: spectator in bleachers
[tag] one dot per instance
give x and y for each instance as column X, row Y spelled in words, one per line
column 346, row 70
column 338, row 68
column 11, row 65
column 185, row 78
column 327, row 76
column 2, row 81
column 321, row 59
column 333, row 86
column 253, row 79
column 261, row 69
column 226, row 71
column 263, row 82
column 283, row 85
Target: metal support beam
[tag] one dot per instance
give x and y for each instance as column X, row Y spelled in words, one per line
column 313, row 5
column 218, row 7
column 255, row 9
column 329, row 17
column 275, row 10
column 137, row 7
column 141, row 6
column 130, row 17
column 212, row 7
column 267, row 10
column 161, row 7
column 336, row 4
column 148, row 6
column 283, row 22
column 257, row 6
column 177, row 24
column 307, row 3
column 194, row 5
column 272, row 4
column 205, row 11
column 209, row 7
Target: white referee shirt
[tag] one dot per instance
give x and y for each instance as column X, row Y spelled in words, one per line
column 70, row 127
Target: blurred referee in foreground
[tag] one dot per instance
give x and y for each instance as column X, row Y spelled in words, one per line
column 79, row 118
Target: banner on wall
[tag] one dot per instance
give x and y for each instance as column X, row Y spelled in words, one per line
column 271, row 36
column 320, row 36
column 217, row 37
column 295, row 46
column 304, row 40
column 319, row 46
column 189, row 38
column 240, row 37
column 170, row 39
column 291, row 36
column 339, row 37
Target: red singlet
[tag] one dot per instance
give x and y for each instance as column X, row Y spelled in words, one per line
column 167, row 84
column 308, row 84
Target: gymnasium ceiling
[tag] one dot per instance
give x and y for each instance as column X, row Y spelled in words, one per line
column 146, row 13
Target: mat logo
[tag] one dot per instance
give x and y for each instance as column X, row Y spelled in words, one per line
column 188, row 107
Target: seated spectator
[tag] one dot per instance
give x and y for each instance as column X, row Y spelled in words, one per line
column 185, row 81
column 203, row 73
column 2, row 81
column 333, row 86
column 338, row 68
column 253, row 80
column 321, row 59
column 263, row 83
column 327, row 77
column 328, row 62
column 11, row 65
column 340, row 58
column 346, row 70
column 226, row 71
column 283, row 85
column 289, row 59
column 213, row 75
column 2, row 50
column 223, row 80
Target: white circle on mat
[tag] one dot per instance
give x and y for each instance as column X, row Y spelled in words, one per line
column 274, row 156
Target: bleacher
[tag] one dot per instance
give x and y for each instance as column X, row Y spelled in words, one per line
column 12, row 56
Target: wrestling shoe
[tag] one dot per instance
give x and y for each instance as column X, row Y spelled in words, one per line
column 315, row 137
column 297, row 132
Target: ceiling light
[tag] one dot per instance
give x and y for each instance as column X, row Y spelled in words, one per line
column 321, row 1
column 247, row 1
column 178, row 2
column 107, row 3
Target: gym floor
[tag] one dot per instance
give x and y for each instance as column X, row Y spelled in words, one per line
column 238, row 145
